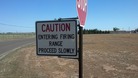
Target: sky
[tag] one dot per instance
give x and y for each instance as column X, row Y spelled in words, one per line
column 21, row 15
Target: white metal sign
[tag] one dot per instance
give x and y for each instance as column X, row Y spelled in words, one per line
column 56, row 38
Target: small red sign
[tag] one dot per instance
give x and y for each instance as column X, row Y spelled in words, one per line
column 82, row 11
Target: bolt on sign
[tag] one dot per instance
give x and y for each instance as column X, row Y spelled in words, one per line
column 56, row 38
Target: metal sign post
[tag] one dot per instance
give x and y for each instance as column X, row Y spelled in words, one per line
column 80, row 52
column 82, row 12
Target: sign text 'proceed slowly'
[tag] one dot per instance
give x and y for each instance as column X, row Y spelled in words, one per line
column 56, row 38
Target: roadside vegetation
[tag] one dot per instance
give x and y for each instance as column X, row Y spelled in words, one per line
column 13, row 36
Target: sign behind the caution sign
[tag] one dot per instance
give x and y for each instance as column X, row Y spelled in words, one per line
column 82, row 11
column 56, row 38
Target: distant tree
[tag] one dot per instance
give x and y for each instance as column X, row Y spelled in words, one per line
column 116, row 29
column 107, row 32
column 95, row 31
column 136, row 30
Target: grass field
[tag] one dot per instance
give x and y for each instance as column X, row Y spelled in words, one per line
column 105, row 56
column 5, row 37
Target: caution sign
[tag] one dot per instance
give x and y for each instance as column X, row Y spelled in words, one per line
column 56, row 38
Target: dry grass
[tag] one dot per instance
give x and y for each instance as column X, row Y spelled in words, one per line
column 111, row 56
column 7, row 37
column 24, row 63
column 105, row 56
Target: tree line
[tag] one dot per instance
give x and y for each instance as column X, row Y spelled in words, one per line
column 94, row 31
